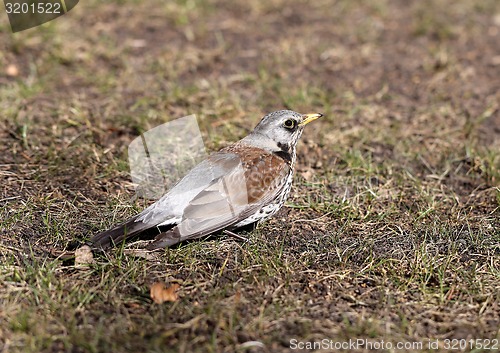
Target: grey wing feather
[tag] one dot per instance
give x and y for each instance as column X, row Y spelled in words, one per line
column 169, row 209
column 216, row 206
column 171, row 206
column 223, row 203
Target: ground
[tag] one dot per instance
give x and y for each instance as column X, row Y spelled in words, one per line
column 392, row 228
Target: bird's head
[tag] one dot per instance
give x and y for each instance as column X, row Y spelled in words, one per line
column 280, row 130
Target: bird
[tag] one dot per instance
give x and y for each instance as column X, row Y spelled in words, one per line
column 241, row 185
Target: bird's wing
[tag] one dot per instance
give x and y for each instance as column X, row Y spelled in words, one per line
column 172, row 204
column 240, row 192
column 169, row 209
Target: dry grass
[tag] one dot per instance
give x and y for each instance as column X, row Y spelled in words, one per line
column 392, row 230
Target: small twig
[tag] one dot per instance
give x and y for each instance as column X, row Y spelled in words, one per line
column 9, row 198
column 236, row 236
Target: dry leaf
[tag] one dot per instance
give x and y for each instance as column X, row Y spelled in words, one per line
column 160, row 294
column 12, row 70
column 83, row 256
column 237, row 297
column 307, row 173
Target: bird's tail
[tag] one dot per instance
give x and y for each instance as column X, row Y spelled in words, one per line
column 119, row 233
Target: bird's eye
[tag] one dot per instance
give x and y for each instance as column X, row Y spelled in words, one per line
column 289, row 124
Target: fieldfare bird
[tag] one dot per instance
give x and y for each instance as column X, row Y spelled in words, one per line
column 242, row 184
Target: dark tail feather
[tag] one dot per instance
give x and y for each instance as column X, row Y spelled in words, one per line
column 119, row 233
column 165, row 239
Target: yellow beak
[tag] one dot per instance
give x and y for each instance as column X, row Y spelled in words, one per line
column 310, row 117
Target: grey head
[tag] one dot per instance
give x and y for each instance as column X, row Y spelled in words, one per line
column 280, row 131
